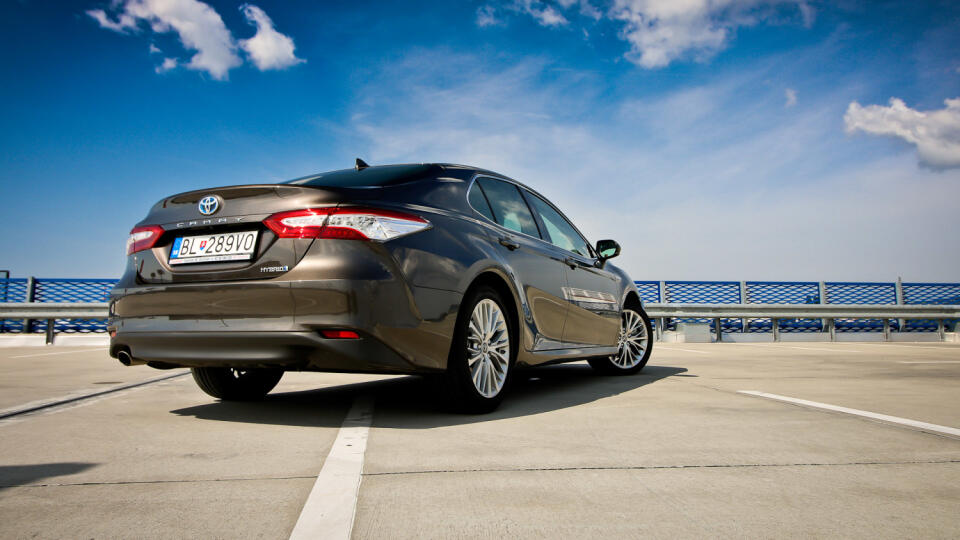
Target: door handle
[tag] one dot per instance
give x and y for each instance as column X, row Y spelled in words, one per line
column 509, row 243
column 571, row 262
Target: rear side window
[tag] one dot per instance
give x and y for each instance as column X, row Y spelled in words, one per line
column 479, row 201
column 559, row 231
column 509, row 208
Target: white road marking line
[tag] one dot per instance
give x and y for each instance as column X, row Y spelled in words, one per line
column 783, row 345
column 931, row 347
column 923, row 426
column 332, row 504
column 932, row 362
column 61, row 352
column 821, row 349
column 82, row 396
column 685, row 350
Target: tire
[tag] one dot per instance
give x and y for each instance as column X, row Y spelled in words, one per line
column 634, row 351
column 479, row 369
column 231, row 384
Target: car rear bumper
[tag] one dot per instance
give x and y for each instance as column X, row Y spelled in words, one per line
column 307, row 351
column 402, row 330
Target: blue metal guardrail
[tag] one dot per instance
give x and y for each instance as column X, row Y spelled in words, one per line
column 698, row 292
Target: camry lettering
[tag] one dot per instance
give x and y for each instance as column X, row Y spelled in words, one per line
column 202, row 222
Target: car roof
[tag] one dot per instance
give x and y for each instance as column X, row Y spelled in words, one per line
column 375, row 176
column 378, row 176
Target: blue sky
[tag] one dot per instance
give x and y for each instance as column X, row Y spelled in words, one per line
column 715, row 139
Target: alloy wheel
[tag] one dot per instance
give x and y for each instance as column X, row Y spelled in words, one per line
column 633, row 340
column 488, row 348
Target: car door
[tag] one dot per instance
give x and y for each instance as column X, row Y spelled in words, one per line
column 593, row 316
column 538, row 268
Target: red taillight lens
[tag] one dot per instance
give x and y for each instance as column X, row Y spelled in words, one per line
column 142, row 238
column 298, row 223
column 345, row 223
column 339, row 334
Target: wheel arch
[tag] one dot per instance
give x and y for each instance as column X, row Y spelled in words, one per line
column 632, row 299
column 501, row 284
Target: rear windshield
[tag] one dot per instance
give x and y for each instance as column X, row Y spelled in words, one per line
column 384, row 175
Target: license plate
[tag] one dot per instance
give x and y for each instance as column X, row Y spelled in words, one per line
column 236, row 246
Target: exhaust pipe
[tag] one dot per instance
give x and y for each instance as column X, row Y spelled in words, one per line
column 125, row 358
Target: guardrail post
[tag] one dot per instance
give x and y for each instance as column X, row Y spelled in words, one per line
column 941, row 331
column 719, row 329
column 31, row 285
column 51, row 323
column 660, row 322
column 775, row 322
column 899, row 292
column 744, row 323
column 6, row 289
column 662, row 298
column 822, row 292
column 832, row 328
column 886, row 329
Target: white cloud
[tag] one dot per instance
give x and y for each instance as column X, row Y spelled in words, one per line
column 589, row 10
column 198, row 26
column 807, row 12
column 268, row 48
column 936, row 133
column 695, row 184
column 123, row 23
column 544, row 14
column 791, row 97
column 167, row 65
column 154, row 49
column 487, row 16
column 201, row 29
column 659, row 32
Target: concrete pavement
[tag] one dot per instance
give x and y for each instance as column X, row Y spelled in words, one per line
column 673, row 452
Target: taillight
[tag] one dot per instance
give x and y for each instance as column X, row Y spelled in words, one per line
column 298, row 223
column 345, row 223
column 142, row 238
column 339, row 334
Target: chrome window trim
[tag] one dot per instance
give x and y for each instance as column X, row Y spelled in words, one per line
column 518, row 185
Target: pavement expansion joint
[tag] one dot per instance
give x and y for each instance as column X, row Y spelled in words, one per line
column 137, row 482
column 668, row 467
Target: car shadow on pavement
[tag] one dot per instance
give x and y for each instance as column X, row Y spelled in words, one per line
column 24, row 475
column 412, row 403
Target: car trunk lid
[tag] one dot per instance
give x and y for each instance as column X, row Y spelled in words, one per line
column 231, row 210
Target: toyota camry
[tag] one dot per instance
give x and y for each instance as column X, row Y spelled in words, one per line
column 436, row 269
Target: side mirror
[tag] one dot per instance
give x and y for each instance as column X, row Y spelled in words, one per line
column 607, row 249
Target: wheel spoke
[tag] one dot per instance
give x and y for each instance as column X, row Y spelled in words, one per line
column 476, row 370
column 491, row 376
column 634, row 322
column 474, row 329
column 472, row 359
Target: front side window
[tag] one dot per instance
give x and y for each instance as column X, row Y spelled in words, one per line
column 559, row 231
column 509, row 208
